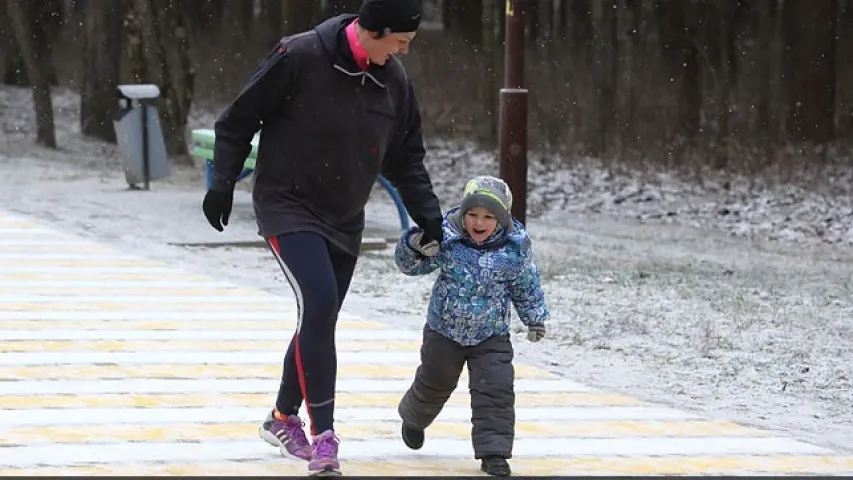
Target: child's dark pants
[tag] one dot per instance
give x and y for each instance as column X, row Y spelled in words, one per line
column 490, row 381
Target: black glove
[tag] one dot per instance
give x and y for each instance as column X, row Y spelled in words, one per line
column 217, row 208
column 432, row 231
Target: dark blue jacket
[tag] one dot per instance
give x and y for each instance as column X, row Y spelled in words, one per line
column 327, row 131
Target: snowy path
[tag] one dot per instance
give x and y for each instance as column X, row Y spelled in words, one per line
column 116, row 365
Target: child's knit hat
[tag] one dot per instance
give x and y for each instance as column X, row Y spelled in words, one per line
column 490, row 193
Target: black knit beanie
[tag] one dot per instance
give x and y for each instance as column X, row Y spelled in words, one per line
column 390, row 16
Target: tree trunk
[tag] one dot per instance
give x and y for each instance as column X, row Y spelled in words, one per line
column 49, row 18
column 604, row 72
column 466, row 20
column 580, row 25
column 532, row 18
column 633, row 80
column 45, row 18
column 237, row 17
column 166, row 52
column 766, row 22
column 27, row 38
column 101, row 60
column 809, row 65
column 677, row 30
column 721, row 27
column 489, row 84
column 272, row 12
column 14, row 71
column 338, row 7
column 297, row 18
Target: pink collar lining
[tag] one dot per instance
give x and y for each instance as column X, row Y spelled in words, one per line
column 358, row 51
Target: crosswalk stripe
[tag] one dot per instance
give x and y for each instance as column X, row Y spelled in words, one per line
column 207, row 371
column 143, row 291
column 206, row 301
column 70, row 330
column 197, row 330
column 70, row 307
column 270, row 357
column 382, row 449
column 632, row 465
column 189, row 345
column 97, row 275
column 262, row 400
column 156, row 415
column 185, row 432
column 382, row 383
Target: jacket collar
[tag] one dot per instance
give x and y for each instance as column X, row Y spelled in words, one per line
column 334, row 40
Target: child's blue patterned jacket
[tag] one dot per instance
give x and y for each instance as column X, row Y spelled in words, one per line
column 476, row 283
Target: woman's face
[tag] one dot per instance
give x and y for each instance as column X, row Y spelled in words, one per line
column 480, row 223
column 379, row 50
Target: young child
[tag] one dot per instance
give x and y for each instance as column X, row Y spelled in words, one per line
column 485, row 263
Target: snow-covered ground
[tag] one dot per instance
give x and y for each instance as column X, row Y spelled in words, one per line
column 732, row 300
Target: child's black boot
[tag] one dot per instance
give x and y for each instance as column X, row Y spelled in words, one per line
column 496, row 466
column 412, row 437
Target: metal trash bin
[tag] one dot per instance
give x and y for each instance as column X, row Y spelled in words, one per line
column 140, row 136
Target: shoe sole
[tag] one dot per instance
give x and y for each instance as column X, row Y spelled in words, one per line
column 326, row 472
column 412, row 445
column 273, row 440
column 498, row 474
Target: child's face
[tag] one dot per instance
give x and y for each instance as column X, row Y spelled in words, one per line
column 480, row 223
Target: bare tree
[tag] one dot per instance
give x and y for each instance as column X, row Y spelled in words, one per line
column 45, row 19
column 101, row 60
column 677, row 30
column 464, row 19
column 337, row 7
column 809, row 64
column 27, row 39
column 604, row 73
column 297, row 18
column 165, row 51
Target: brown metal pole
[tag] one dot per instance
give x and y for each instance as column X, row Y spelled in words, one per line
column 512, row 134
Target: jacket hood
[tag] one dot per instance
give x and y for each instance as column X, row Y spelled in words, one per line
column 454, row 231
column 334, row 42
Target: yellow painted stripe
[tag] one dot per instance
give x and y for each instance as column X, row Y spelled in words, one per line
column 28, row 235
column 243, row 431
column 71, row 275
column 152, row 290
column 200, row 324
column 260, row 400
column 117, row 262
column 70, row 248
column 169, row 371
column 185, row 345
column 121, row 306
column 421, row 466
column 14, row 223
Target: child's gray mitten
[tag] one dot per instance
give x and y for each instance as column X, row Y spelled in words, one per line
column 430, row 249
column 535, row 332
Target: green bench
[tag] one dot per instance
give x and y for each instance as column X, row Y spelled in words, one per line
column 204, row 138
